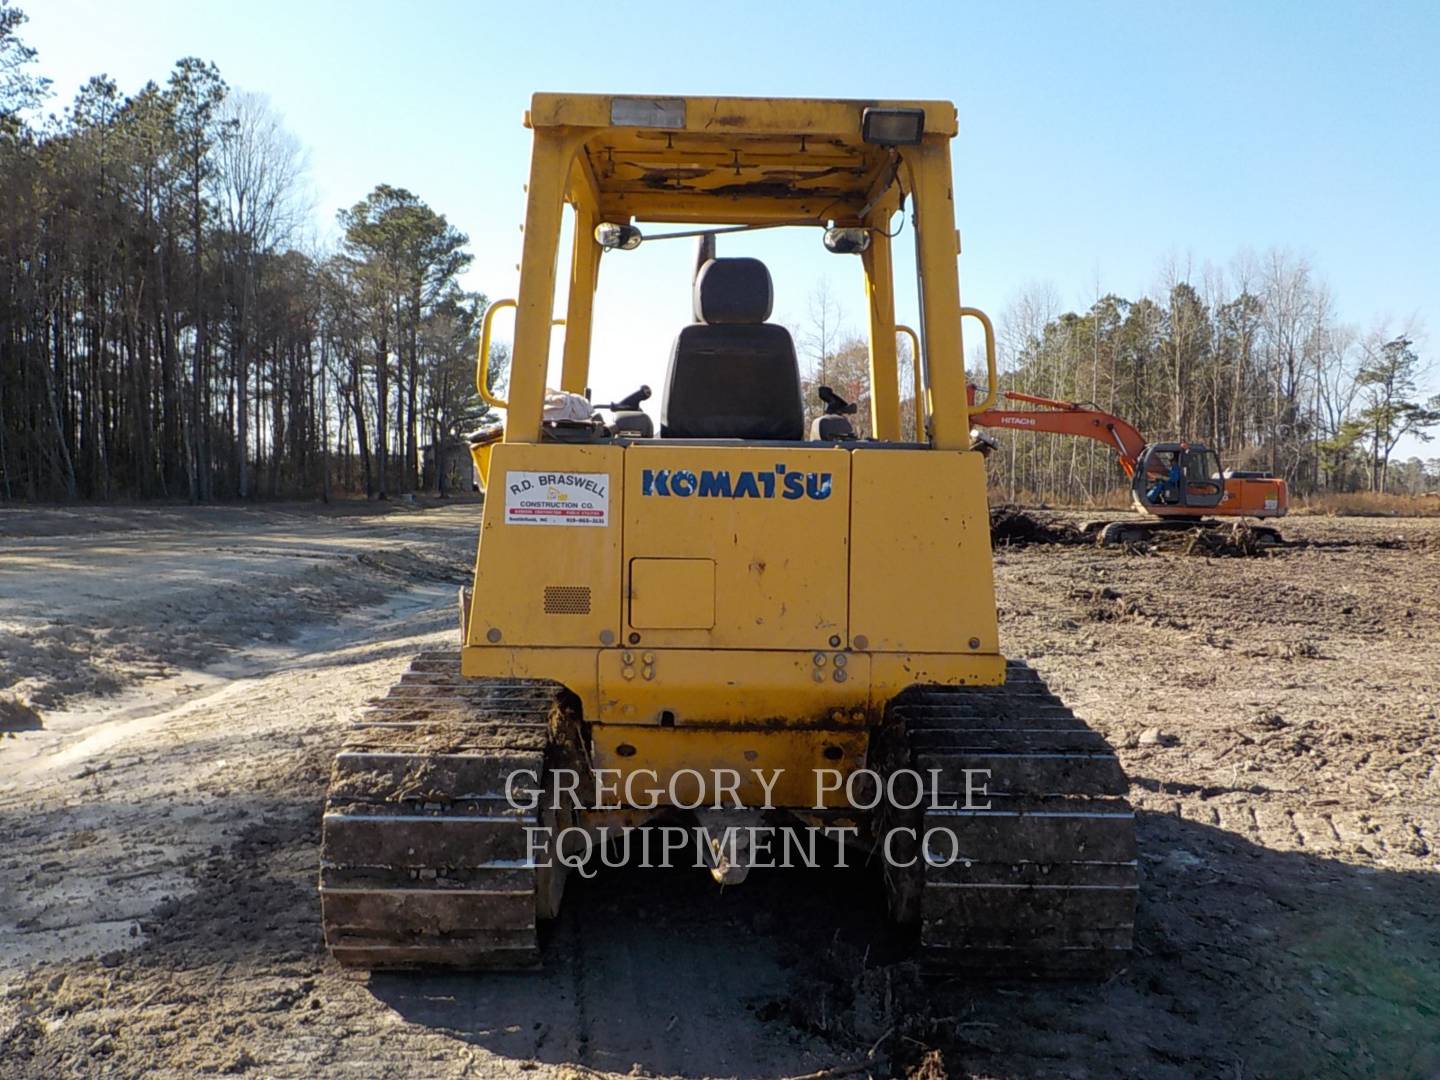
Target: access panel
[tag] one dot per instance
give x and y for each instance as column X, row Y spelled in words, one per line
column 920, row 570
column 774, row 523
column 549, row 565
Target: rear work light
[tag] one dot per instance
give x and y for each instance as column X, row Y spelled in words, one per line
column 892, row 127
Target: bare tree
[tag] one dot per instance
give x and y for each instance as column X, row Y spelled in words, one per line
column 256, row 188
column 822, row 333
column 1293, row 310
column 1388, row 386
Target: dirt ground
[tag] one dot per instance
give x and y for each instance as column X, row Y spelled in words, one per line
column 178, row 680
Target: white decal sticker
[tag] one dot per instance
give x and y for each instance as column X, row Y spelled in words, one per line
column 542, row 498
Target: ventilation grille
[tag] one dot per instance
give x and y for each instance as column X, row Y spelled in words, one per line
column 567, row 600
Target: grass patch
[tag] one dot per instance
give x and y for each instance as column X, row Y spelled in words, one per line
column 1370, row 504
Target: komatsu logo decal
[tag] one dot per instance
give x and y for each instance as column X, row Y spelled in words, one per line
column 742, row 484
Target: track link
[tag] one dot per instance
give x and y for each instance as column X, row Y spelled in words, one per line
column 423, row 859
column 1045, row 882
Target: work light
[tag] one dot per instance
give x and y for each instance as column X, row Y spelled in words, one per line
column 847, row 241
column 610, row 236
column 892, row 127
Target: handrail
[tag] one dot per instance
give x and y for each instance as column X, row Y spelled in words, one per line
column 919, row 389
column 992, row 375
column 482, row 359
column 482, row 364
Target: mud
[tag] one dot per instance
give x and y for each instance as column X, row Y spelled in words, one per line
column 1277, row 718
column 1010, row 526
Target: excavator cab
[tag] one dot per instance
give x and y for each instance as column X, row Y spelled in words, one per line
column 1169, row 475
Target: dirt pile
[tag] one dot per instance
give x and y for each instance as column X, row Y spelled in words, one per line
column 1012, row 527
column 1235, row 540
column 17, row 715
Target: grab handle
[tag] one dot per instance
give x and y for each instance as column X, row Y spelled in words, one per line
column 992, row 375
column 482, row 360
column 920, row 391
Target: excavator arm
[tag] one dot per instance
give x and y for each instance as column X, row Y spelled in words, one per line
column 1066, row 418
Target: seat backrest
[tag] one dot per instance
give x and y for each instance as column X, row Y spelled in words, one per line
column 732, row 375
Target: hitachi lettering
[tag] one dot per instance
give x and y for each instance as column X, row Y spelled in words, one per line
column 744, row 484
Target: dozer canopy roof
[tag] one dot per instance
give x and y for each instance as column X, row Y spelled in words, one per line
column 733, row 163
column 734, row 160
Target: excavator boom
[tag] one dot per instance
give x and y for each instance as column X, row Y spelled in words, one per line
column 1067, row 418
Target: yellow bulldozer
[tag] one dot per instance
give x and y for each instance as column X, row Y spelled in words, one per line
column 740, row 621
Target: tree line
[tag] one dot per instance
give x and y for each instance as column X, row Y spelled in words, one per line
column 168, row 331
column 1253, row 361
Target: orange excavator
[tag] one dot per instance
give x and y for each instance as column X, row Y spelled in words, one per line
column 1178, row 485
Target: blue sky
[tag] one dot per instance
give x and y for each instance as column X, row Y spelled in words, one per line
column 1096, row 140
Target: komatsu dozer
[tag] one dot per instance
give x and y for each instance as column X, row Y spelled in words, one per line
column 734, row 618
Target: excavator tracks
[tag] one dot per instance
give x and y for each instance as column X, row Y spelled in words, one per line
column 423, row 858
column 1042, row 882
column 1144, row 530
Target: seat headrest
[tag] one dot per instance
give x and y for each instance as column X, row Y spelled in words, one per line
column 733, row 291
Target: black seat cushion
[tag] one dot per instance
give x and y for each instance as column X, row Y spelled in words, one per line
column 732, row 375
column 733, row 381
column 733, row 291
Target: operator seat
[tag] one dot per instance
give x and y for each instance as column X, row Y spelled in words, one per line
column 732, row 375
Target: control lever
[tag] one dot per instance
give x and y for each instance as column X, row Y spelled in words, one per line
column 835, row 405
column 628, row 404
